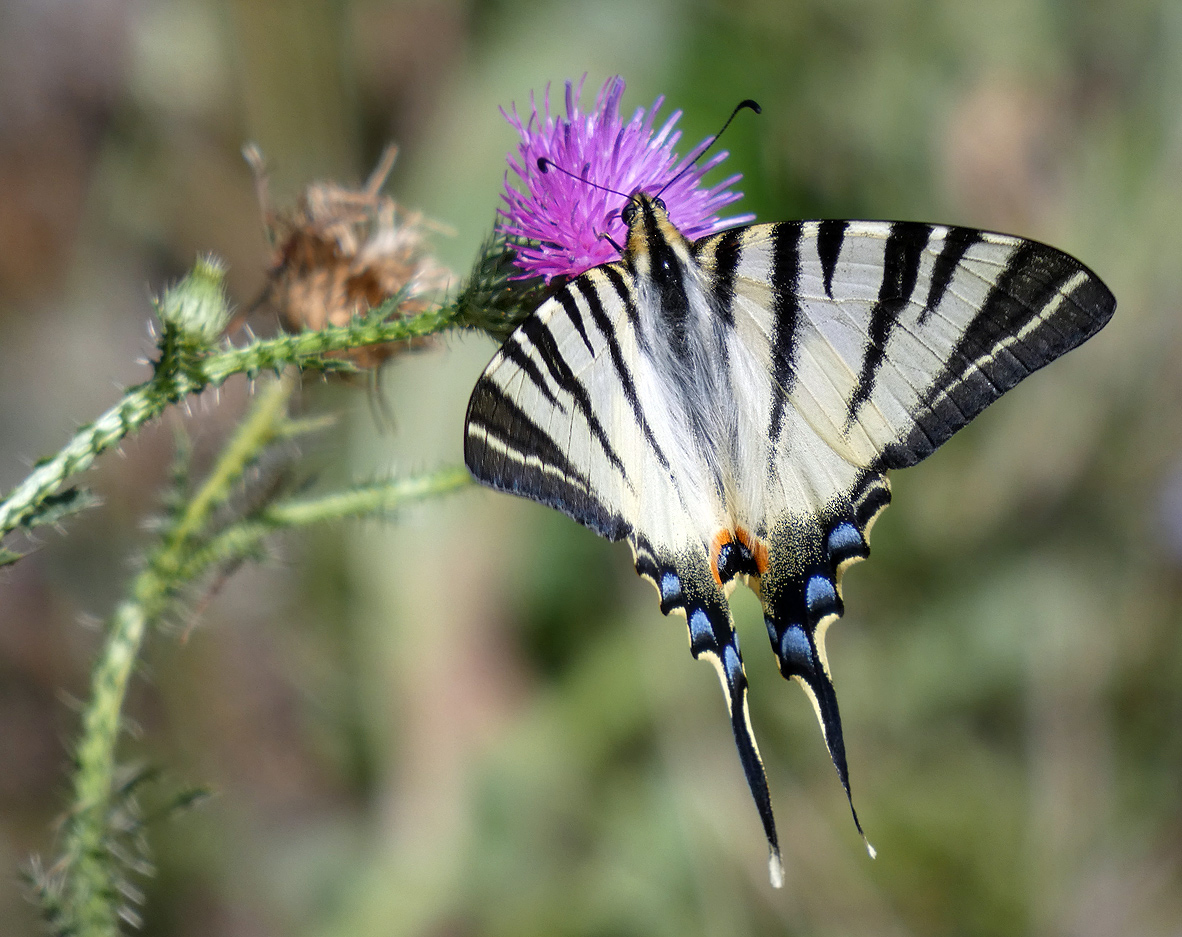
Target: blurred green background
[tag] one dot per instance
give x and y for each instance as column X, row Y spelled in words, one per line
column 476, row 721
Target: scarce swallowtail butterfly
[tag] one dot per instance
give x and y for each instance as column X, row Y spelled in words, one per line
column 731, row 407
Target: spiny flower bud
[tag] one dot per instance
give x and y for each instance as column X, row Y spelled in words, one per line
column 197, row 304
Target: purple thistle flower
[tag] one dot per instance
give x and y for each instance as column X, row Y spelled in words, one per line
column 563, row 218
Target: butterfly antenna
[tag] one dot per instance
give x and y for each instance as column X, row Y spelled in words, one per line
column 747, row 104
column 545, row 164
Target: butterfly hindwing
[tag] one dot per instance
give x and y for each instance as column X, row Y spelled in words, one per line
column 688, row 588
column 801, row 596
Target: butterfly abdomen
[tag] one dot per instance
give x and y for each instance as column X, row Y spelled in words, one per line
column 737, row 552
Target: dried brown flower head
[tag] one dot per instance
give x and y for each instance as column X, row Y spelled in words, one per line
column 342, row 252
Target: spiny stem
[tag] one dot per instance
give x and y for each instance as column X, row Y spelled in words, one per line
column 245, row 537
column 365, row 499
column 90, row 899
column 180, row 375
column 268, row 354
column 138, row 406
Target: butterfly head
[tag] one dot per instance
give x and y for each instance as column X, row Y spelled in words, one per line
column 652, row 237
column 636, row 204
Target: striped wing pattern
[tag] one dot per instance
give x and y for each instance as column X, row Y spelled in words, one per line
column 731, row 408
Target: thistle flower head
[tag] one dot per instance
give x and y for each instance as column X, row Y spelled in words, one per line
column 566, row 222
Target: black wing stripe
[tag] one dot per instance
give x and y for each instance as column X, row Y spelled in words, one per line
column 543, row 340
column 624, row 291
column 507, row 450
column 571, row 308
column 1031, row 279
column 727, row 253
column 904, row 249
column 513, row 352
column 871, row 502
column 496, row 414
column 588, row 291
column 829, row 240
column 785, row 276
column 956, row 243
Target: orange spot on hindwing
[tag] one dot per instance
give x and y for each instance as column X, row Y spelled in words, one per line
column 737, row 553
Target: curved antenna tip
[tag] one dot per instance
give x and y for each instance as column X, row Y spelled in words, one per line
column 870, row 849
column 775, row 869
column 750, row 105
column 545, row 164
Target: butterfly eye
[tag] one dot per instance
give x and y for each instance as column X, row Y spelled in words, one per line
column 661, row 205
column 628, row 213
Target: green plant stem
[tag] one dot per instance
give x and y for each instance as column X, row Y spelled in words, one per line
column 244, row 538
column 90, row 900
column 138, row 406
column 365, row 499
column 178, row 376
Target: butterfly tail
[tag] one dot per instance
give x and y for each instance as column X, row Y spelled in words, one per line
column 712, row 637
column 796, row 620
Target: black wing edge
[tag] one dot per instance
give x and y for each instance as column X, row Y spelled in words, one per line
column 506, row 450
column 1057, row 301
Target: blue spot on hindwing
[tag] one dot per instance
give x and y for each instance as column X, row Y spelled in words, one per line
column 732, row 664
column 670, row 588
column 844, row 540
column 771, row 629
column 819, row 594
column 795, row 649
column 700, row 627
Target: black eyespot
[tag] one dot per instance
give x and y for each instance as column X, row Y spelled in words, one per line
column 628, row 213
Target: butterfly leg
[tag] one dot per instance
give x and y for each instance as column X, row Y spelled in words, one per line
column 688, row 587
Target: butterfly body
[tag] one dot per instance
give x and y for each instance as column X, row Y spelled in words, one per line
column 731, row 406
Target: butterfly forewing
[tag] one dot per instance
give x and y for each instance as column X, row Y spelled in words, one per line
column 563, row 415
column 897, row 334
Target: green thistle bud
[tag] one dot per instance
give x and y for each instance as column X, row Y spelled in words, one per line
column 197, row 305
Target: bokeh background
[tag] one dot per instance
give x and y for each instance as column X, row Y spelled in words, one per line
column 475, row 721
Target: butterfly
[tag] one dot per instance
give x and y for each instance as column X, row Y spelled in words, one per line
column 731, row 407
